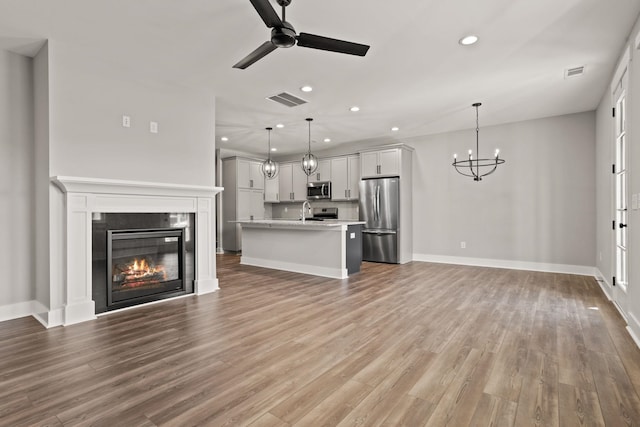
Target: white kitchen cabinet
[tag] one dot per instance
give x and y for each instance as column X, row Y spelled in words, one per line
column 345, row 176
column 323, row 173
column 250, row 204
column 250, row 174
column 242, row 199
column 293, row 183
column 380, row 163
column 272, row 190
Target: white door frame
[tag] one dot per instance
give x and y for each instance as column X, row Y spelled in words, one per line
column 619, row 90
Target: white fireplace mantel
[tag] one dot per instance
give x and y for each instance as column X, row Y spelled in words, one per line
column 83, row 197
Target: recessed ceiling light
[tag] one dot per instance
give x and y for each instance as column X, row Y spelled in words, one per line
column 274, row 149
column 354, row 109
column 306, row 88
column 279, row 125
column 224, row 139
column 395, row 128
column 468, row 40
column 327, row 140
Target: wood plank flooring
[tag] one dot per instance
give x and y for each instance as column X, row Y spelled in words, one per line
column 413, row 345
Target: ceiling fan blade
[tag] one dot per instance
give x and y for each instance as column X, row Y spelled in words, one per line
column 267, row 13
column 263, row 50
column 334, row 45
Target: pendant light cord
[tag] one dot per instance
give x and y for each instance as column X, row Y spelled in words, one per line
column 477, row 142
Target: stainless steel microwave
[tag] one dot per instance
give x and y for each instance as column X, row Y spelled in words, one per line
column 319, row 190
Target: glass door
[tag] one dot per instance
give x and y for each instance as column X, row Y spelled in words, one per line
column 620, row 192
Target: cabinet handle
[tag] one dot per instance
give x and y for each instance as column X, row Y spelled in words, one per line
column 349, row 193
column 251, row 183
column 317, row 177
column 345, row 193
column 278, row 196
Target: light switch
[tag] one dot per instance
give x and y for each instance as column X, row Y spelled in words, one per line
column 153, row 127
column 352, row 236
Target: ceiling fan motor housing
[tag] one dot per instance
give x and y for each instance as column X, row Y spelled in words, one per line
column 284, row 36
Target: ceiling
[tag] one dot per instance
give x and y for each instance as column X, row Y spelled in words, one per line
column 415, row 76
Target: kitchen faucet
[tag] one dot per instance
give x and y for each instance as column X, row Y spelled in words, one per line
column 308, row 205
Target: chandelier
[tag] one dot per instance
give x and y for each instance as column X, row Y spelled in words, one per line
column 477, row 168
column 269, row 167
column 309, row 161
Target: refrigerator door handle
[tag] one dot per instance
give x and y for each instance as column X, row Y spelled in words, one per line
column 379, row 232
column 377, row 203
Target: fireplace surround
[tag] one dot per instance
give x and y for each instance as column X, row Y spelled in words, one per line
column 71, row 294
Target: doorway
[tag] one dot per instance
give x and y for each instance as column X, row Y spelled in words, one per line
column 620, row 280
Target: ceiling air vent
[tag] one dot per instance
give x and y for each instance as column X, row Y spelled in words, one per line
column 287, row 99
column 573, row 72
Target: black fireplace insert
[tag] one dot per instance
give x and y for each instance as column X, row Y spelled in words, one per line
column 133, row 264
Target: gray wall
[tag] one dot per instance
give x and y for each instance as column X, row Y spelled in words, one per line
column 538, row 207
column 87, row 101
column 16, row 179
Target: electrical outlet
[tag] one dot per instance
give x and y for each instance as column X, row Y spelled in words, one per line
column 126, row 121
column 153, row 127
column 463, row 245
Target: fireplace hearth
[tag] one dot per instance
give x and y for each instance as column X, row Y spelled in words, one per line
column 134, row 265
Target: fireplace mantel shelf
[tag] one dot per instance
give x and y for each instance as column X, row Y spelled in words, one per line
column 71, row 184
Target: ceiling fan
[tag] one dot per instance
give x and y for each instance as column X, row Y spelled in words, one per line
column 284, row 35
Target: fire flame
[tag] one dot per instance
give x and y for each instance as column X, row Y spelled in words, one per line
column 141, row 268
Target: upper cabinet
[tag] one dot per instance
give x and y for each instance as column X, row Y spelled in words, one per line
column 323, row 173
column 292, row 183
column 272, row 189
column 380, row 163
column 250, row 174
column 345, row 175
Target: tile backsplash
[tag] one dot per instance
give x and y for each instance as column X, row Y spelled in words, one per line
column 346, row 210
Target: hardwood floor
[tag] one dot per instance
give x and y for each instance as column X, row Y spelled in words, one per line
column 416, row 345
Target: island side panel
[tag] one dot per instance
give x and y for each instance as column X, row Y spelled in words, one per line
column 309, row 251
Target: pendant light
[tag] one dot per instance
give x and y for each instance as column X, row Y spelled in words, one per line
column 269, row 167
column 309, row 161
column 477, row 168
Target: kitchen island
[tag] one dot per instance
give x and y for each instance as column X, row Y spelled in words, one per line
column 330, row 248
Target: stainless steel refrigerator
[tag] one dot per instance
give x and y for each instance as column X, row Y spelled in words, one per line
column 379, row 208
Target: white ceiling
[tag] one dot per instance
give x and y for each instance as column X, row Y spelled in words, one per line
column 415, row 76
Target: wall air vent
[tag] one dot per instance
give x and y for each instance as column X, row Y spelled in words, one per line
column 287, row 99
column 573, row 72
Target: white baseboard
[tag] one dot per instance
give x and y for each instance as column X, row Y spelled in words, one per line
column 18, row 310
column 604, row 283
column 581, row 270
column 633, row 328
column 205, row 286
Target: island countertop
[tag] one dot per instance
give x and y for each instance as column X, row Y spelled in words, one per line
column 329, row 248
column 327, row 224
